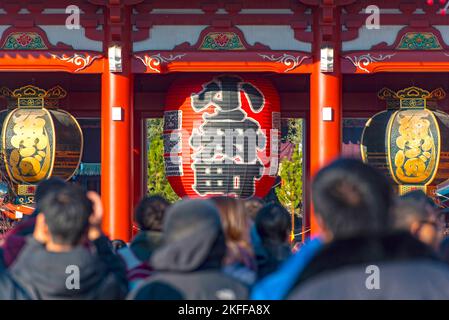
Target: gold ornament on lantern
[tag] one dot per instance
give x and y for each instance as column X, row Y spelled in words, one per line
column 407, row 141
column 38, row 139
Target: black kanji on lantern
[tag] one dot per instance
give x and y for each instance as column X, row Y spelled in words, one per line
column 226, row 143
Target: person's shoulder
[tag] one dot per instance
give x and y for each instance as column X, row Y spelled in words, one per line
column 10, row 289
column 211, row 284
column 226, row 286
column 408, row 279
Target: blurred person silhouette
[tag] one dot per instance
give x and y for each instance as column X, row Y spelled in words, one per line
column 417, row 213
column 444, row 245
column 9, row 288
column 149, row 216
column 252, row 207
column 188, row 264
column 353, row 207
column 240, row 261
column 15, row 239
column 273, row 225
column 363, row 256
column 67, row 256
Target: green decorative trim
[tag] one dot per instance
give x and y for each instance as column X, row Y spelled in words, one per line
column 419, row 41
column 88, row 169
column 24, row 41
column 221, row 41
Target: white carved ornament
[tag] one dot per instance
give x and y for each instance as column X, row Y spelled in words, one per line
column 153, row 62
column 291, row 62
column 363, row 61
column 79, row 60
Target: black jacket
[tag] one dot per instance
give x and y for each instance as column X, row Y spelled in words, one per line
column 51, row 275
column 343, row 269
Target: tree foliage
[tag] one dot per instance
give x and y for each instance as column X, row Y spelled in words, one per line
column 157, row 182
column 289, row 192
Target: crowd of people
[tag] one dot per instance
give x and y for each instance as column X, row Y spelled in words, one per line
column 372, row 244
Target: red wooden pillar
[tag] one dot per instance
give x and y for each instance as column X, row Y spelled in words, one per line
column 117, row 132
column 325, row 137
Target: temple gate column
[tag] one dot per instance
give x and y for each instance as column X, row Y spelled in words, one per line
column 325, row 122
column 117, row 124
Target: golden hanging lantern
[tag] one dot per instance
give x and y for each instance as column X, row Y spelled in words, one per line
column 39, row 140
column 409, row 141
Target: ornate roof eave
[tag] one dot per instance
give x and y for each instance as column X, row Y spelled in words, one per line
column 161, row 62
column 51, row 60
column 368, row 61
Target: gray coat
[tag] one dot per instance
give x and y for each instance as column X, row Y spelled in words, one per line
column 403, row 268
column 44, row 274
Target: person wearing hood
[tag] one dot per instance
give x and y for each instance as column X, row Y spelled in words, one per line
column 68, row 257
column 239, row 261
column 188, row 263
column 364, row 256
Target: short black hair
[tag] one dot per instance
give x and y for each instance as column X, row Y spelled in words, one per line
column 67, row 213
column 46, row 186
column 273, row 222
column 150, row 213
column 353, row 199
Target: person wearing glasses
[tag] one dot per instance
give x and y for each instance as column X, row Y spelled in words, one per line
column 418, row 213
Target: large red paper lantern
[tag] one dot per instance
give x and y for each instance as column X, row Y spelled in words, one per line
column 221, row 136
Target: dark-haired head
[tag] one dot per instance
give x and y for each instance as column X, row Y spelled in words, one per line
column 47, row 186
column 252, row 206
column 66, row 212
column 352, row 199
column 150, row 212
column 273, row 224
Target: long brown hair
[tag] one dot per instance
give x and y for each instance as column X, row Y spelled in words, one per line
column 236, row 227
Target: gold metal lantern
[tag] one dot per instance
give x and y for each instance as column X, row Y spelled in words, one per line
column 410, row 140
column 39, row 140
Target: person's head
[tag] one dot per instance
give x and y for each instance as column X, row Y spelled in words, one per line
column 64, row 215
column 252, row 207
column 150, row 212
column 192, row 238
column 351, row 199
column 236, row 227
column 45, row 187
column 416, row 213
column 273, row 224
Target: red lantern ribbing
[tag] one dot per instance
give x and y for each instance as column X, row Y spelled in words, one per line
column 221, row 136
